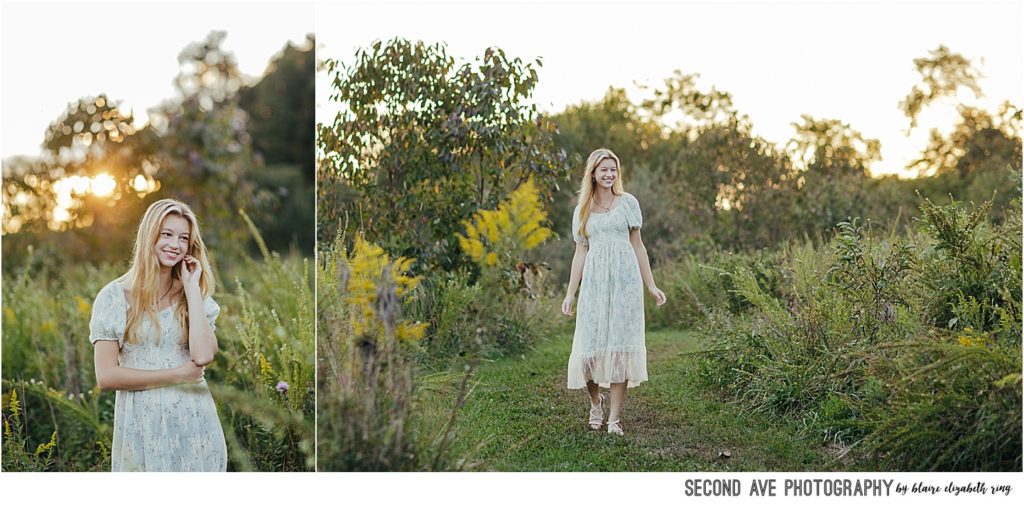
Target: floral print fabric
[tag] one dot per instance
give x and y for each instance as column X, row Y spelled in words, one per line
column 171, row 429
column 608, row 345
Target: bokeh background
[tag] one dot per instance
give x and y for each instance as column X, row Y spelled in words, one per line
column 108, row 107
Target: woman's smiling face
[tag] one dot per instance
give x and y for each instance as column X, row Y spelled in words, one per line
column 606, row 173
column 173, row 240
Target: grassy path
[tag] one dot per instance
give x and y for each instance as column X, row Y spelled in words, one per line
column 520, row 417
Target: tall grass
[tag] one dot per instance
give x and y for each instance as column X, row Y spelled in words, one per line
column 702, row 285
column 391, row 346
column 905, row 346
column 371, row 390
column 266, row 336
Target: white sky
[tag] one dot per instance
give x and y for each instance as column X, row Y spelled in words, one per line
column 851, row 61
column 55, row 53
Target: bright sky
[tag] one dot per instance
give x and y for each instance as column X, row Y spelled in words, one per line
column 850, row 61
column 55, row 53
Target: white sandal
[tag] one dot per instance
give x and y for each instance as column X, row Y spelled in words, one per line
column 597, row 413
column 614, row 428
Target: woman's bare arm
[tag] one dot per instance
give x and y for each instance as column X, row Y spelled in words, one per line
column 645, row 266
column 110, row 375
column 202, row 343
column 579, row 258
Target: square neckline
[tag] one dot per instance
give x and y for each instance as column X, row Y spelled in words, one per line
column 124, row 297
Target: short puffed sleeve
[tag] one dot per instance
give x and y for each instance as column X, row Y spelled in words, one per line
column 106, row 314
column 580, row 239
column 212, row 310
column 633, row 217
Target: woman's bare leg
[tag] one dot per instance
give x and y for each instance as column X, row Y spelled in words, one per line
column 618, row 395
column 595, row 391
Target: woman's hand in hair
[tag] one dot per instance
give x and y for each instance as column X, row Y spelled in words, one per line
column 191, row 270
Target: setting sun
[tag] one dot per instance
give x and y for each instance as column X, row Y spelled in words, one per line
column 68, row 191
column 143, row 184
column 103, row 185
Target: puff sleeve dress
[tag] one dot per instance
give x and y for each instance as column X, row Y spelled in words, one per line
column 608, row 345
column 169, row 429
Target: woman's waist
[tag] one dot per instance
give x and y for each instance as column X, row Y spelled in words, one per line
column 152, row 359
column 193, row 389
column 610, row 241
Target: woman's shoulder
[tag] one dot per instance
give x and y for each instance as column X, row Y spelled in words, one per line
column 209, row 299
column 109, row 307
column 630, row 199
column 111, row 290
column 108, row 313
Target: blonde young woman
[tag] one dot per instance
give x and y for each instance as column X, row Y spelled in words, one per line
column 610, row 267
column 152, row 332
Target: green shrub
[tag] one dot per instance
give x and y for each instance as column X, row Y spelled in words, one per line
column 908, row 346
column 957, row 409
column 452, row 306
column 972, row 270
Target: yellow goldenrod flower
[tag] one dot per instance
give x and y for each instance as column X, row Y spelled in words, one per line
column 410, row 332
column 47, row 326
column 44, row 448
column 368, row 264
column 969, row 339
column 266, row 370
column 9, row 315
column 536, row 238
column 84, row 308
column 14, row 405
column 514, row 227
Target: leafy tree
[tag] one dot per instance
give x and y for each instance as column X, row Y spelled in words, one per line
column 833, row 147
column 980, row 158
column 943, row 73
column 202, row 149
column 690, row 158
column 86, row 126
column 979, row 141
column 713, row 181
column 422, row 142
column 679, row 97
column 281, row 123
column 208, row 74
column 835, row 161
column 613, row 121
column 195, row 148
column 92, row 137
column 281, row 108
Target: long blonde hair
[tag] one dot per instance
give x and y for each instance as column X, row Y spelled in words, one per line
column 589, row 183
column 143, row 277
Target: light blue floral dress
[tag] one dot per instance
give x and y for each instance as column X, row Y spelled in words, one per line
column 167, row 429
column 608, row 345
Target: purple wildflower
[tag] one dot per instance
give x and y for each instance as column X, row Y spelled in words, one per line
column 282, row 387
